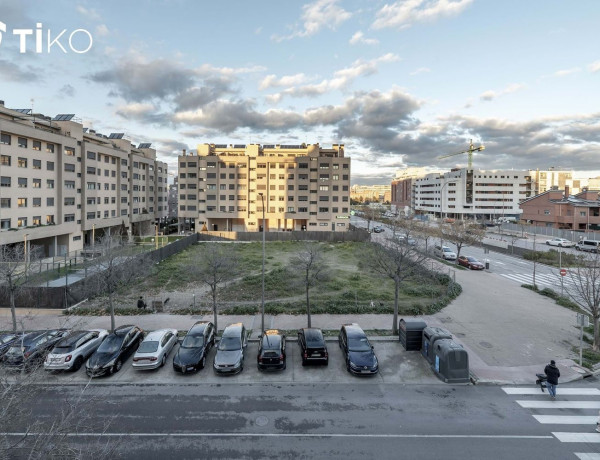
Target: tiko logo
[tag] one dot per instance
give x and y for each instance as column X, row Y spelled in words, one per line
column 70, row 40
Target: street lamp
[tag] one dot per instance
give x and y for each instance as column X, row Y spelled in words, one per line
column 26, row 254
column 262, row 300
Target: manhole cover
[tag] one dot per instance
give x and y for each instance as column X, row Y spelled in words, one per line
column 262, row 420
column 486, row 344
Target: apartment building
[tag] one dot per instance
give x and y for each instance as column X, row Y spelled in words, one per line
column 376, row 193
column 61, row 185
column 471, row 193
column 297, row 187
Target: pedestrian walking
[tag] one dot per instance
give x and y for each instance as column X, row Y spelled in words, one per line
column 141, row 303
column 553, row 374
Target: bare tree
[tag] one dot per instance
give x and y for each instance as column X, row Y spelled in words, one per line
column 309, row 261
column 462, row 233
column 217, row 265
column 424, row 232
column 369, row 214
column 584, row 290
column 115, row 264
column 398, row 260
column 15, row 268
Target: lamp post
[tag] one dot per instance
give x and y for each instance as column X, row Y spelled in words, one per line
column 26, row 254
column 93, row 240
column 262, row 299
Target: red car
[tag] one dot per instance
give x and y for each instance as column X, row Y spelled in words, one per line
column 470, row 262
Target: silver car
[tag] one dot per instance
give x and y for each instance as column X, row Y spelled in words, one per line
column 72, row 351
column 153, row 351
column 229, row 358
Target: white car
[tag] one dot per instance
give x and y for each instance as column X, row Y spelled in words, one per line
column 560, row 242
column 72, row 351
column 444, row 252
column 153, row 351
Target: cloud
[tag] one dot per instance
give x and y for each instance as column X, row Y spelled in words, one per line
column 9, row 71
column 404, row 13
column 594, row 67
column 316, row 16
column 490, row 95
column 102, row 30
column 359, row 38
column 66, row 91
column 89, row 13
column 211, row 90
column 565, row 72
column 271, row 81
column 143, row 112
column 420, row 70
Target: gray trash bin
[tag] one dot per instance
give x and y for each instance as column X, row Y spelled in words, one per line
column 451, row 362
column 430, row 335
column 410, row 332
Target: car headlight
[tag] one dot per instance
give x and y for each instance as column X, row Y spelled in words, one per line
column 110, row 363
column 354, row 366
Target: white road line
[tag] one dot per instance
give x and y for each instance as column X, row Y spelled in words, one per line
column 582, row 456
column 567, row 419
column 285, row 435
column 561, row 391
column 560, row 405
column 577, row 437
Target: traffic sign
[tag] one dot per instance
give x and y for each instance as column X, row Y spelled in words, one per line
column 563, row 271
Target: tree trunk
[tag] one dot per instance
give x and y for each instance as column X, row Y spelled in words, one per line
column 214, row 297
column 308, row 306
column 112, row 311
column 13, row 310
column 596, row 344
column 396, row 291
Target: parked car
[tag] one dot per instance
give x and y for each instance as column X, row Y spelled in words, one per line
column 196, row 344
column 114, row 351
column 403, row 239
column 470, row 262
column 444, row 252
column 6, row 341
column 588, row 245
column 312, row 346
column 271, row 351
column 378, row 229
column 154, row 349
column 71, row 351
column 560, row 242
column 31, row 351
column 358, row 351
column 229, row 358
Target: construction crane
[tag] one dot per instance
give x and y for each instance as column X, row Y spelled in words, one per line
column 469, row 152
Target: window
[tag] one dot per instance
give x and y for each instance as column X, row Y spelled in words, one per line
column 90, row 170
column 49, row 183
column 37, row 183
column 582, row 213
column 49, row 201
column 22, row 162
column 70, row 184
column 70, row 151
column 4, row 181
column 22, row 181
column 69, row 167
column 5, row 224
column 70, row 201
column 5, row 139
column 22, row 142
column 4, row 160
column 50, row 148
column 324, row 188
column 91, row 155
column 22, row 202
column 547, row 212
column 50, row 165
column 37, row 164
column 49, row 219
column 323, row 209
column 4, row 202
column 37, row 145
column 345, row 177
column 22, row 222
column 37, row 220
column 37, row 202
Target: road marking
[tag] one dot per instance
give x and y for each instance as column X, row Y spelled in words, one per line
column 559, row 404
column 285, row 435
column 588, row 456
column 567, row 419
column 561, row 391
column 577, row 437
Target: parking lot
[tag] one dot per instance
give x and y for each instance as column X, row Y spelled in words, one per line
column 395, row 366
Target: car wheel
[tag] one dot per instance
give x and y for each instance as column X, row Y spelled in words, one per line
column 118, row 366
column 303, row 363
column 203, row 362
column 164, row 360
column 560, row 245
column 547, row 243
column 77, row 364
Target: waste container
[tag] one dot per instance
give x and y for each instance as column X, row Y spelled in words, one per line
column 410, row 332
column 487, row 264
column 430, row 335
column 451, row 361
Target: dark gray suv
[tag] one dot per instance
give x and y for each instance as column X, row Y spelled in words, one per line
column 229, row 358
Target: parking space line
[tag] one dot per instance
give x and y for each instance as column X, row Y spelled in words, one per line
column 567, row 419
column 563, row 391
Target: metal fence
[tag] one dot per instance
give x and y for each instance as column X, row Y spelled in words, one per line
column 355, row 234
column 572, row 235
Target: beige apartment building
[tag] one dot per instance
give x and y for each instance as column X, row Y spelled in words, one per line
column 376, row 193
column 62, row 185
column 298, row 187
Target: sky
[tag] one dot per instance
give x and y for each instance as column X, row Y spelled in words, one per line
column 399, row 83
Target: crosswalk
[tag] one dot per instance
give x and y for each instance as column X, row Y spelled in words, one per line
column 571, row 409
column 550, row 280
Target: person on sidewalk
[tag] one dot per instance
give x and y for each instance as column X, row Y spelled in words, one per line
column 553, row 374
column 141, row 303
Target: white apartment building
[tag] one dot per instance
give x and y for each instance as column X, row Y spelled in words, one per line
column 62, row 184
column 299, row 187
column 480, row 194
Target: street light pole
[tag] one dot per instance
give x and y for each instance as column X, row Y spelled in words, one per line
column 262, row 300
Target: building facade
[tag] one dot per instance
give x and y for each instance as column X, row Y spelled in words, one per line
column 297, row 187
column 370, row 193
column 63, row 185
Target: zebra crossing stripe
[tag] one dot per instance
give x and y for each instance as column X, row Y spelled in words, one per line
column 559, row 404
column 567, row 419
column 593, row 438
column 561, row 391
column 582, row 456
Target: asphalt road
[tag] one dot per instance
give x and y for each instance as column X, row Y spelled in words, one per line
column 373, row 420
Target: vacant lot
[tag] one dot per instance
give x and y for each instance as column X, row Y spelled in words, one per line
column 346, row 288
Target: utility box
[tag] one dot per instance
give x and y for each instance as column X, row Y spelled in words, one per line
column 410, row 332
column 430, row 335
column 450, row 362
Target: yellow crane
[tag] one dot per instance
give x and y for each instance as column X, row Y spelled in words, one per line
column 469, row 152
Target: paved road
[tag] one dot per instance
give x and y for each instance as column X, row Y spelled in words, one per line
column 371, row 420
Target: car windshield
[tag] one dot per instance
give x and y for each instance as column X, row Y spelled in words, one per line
column 272, row 342
column 148, row 347
column 63, row 349
column 230, row 344
column 110, row 344
column 6, row 338
column 358, row 344
column 471, row 259
column 447, row 250
column 16, row 350
column 192, row 341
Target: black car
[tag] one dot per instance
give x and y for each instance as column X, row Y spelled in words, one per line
column 358, row 351
column 6, row 341
column 312, row 346
column 271, row 351
column 30, row 351
column 114, row 350
column 196, row 344
column 378, row 229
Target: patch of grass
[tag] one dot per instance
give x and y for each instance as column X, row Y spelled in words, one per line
column 560, row 300
column 553, row 258
column 590, row 357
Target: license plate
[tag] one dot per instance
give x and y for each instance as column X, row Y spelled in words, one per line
column 316, row 353
column 56, row 360
column 365, row 371
column 190, row 368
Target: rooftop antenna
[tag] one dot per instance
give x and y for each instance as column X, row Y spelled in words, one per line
column 32, row 111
